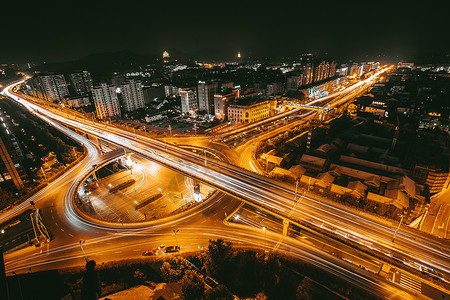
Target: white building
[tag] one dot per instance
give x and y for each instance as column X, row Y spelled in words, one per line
column 132, row 95
column 188, row 101
column 106, row 101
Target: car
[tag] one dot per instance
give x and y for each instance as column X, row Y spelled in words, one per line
column 150, row 252
column 171, row 249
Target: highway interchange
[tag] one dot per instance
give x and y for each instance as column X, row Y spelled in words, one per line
column 105, row 242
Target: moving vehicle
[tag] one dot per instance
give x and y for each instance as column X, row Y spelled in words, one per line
column 150, row 252
column 171, row 249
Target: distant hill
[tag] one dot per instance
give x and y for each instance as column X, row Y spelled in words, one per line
column 100, row 63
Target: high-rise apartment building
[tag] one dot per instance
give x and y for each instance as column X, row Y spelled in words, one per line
column 205, row 94
column 188, row 101
column 308, row 74
column 81, row 82
column 332, row 69
column 321, row 71
column 48, row 87
column 132, row 95
column 106, row 101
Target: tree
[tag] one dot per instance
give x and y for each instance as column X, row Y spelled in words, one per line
column 174, row 268
column 193, row 285
column 304, row 289
column 169, row 274
column 219, row 292
column 248, row 269
column 218, row 258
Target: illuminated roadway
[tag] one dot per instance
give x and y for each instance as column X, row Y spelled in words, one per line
column 265, row 192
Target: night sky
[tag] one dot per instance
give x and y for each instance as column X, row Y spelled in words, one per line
column 67, row 30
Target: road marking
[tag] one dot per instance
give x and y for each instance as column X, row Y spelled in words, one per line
column 71, row 235
column 62, row 229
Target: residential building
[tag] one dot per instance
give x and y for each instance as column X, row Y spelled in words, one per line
column 76, row 101
column 106, row 101
column 132, row 95
column 322, row 71
column 48, row 87
column 81, row 82
column 274, row 89
column 188, row 101
column 293, row 82
column 354, row 70
column 205, row 95
column 153, row 92
column 221, row 103
column 171, row 91
column 308, row 74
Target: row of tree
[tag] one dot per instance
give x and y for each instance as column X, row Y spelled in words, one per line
column 247, row 274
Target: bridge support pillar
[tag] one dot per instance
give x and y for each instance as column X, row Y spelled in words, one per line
column 285, row 226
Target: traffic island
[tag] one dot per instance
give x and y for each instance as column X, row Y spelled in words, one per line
column 133, row 190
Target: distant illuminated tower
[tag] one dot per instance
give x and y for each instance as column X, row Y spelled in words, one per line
column 166, row 56
column 239, row 55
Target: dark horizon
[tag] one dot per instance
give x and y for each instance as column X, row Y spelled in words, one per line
column 52, row 32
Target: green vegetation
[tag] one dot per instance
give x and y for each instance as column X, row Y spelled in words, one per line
column 221, row 272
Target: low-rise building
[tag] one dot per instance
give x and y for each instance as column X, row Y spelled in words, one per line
column 250, row 110
column 76, row 101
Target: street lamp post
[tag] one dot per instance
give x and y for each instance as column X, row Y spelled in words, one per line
column 395, row 234
column 175, row 232
column 265, row 235
column 82, row 249
column 296, row 188
column 43, row 172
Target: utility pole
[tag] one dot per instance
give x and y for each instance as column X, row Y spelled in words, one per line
column 170, row 130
